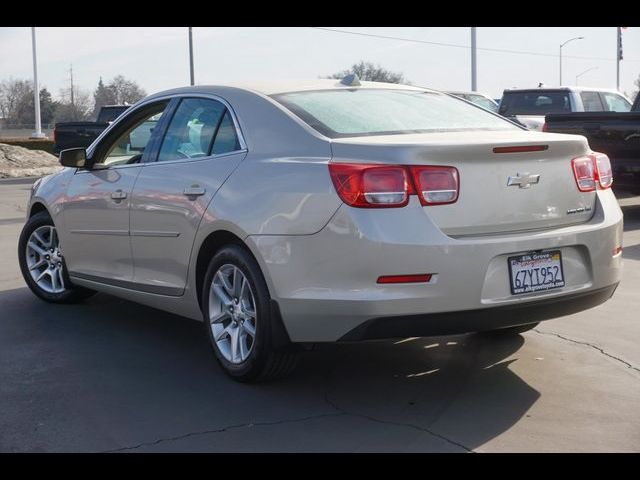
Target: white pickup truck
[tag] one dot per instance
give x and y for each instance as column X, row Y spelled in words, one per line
column 529, row 106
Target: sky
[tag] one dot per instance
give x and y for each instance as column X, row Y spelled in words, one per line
column 157, row 57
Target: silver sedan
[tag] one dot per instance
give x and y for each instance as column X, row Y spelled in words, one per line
column 294, row 213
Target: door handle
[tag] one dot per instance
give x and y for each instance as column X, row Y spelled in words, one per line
column 118, row 195
column 194, row 191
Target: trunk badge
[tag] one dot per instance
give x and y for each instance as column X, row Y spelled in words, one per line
column 523, row 180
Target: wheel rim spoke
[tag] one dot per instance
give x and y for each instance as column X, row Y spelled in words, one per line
column 44, row 259
column 38, row 264
column 232, row 313
column 249, row 328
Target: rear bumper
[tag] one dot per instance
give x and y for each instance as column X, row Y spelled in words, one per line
column 451, row 323
column 325, row 283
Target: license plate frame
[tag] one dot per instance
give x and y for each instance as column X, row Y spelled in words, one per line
column 540, row 259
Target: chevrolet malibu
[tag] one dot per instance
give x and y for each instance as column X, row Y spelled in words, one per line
column 326, row 211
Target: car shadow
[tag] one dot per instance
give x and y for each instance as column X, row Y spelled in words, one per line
column 110, row 374
column 631, row 217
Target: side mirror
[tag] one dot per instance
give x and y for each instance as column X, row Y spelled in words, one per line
column 74, row 157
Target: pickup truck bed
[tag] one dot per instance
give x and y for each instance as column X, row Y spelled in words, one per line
column 616, row 134
column 82, row 134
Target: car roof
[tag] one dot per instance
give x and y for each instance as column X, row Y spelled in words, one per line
column 568, row 89
column 287, row 86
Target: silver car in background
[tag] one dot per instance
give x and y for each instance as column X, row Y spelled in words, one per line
column 288, row 214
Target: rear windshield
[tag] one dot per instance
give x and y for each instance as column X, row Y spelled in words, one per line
column 352, row 113
column 535, row 103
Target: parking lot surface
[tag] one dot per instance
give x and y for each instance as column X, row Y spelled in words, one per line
column 111, row 375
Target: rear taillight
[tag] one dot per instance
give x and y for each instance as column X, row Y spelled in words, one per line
column 603, row 170
column 388, row 186
column 436, row 185
column 591, row 171
column 371, row 186
column 585, row 173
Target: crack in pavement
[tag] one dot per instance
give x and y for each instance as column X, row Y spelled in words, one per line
column 595, row 347
column 224, row 429
column 331, row 403
column 400, row 424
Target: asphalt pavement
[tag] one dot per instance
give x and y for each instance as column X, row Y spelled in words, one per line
column 111, row 375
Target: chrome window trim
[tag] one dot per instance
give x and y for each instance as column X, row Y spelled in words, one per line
column 195, row 159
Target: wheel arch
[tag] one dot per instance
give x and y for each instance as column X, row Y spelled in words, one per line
column 38, row 207
column 211, row 244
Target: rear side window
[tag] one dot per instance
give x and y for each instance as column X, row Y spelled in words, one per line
column 353, row 112
column 535, row 103
column 199, row 128
column 591, row 102
column 226, row 138
column 615, row 102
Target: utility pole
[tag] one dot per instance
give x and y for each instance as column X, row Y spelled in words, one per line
column 474, row 72
column 73, row 103
column 618, row 57
column 191, row 56
column 36, row 89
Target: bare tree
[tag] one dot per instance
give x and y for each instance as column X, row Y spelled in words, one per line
column 371, row 72
column 16, row 103
column 125, row 91
column 74, row 110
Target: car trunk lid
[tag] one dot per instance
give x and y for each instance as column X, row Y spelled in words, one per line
column 498, row 189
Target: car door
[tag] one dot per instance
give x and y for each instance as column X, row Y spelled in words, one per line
column 200, row 148
column 96, row 238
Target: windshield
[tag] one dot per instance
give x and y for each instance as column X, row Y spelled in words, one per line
column 353, row 112
column 535, row 103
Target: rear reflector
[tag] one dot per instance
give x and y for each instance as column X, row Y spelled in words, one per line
column 421, row 278
column 521, row 148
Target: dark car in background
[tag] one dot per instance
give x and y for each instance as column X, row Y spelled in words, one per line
column 615, row 133
column 82, row 134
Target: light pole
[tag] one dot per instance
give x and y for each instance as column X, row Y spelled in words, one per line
column 474, row 71
column 191, row 56
column 580, row 74
column 36, row 89
column 562, row 45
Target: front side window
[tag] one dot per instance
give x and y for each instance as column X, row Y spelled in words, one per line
column 349, row 113
column 129, row 145
column 616, row 103
column 199, row 128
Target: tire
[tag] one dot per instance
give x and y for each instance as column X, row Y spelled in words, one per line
column 515, row 330
column 227, row 304
column 62, row 291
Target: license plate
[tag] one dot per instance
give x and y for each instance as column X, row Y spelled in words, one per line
column 535, row 271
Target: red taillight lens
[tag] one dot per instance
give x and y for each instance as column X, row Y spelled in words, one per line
column 591, row 171
column 371, row 186
column 385, row 186
column 436, row 185
column 603, row 169
column 585, row 173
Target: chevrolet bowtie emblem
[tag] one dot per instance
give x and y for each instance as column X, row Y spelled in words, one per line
column 523, row 180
